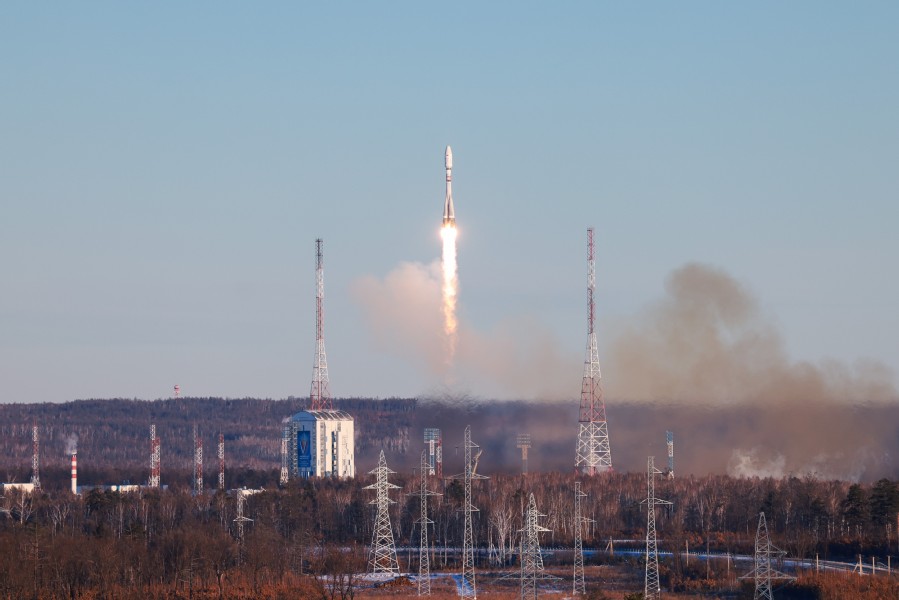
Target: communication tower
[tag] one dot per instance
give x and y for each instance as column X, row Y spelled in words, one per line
column 652, row 589
column 320, row 394
column 35, row 457
column 154, row 457
column 593, row 451
column 382, row 558
column 240, row 522
column 669, row 437
column 198, row 462
column 285, row 439
column 222, row 461
column 434, row 440
column 523, row 442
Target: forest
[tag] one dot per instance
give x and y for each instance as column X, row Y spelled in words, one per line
column 308, row 540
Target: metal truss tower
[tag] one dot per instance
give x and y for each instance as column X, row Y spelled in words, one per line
column 382, row 558
column 240, row 523
column 424, row 560
column 434, row 440
column 652, row 589
column 593, row 451
column 669, row 438
column 285, row 473
column 762, row 571
column 35, row 457
column 154, row 457
column 523, row 442
column 198, row 461
column 579, row 521
column 469, row 588
column 320, row 394
column 531, row 558
column 221, row 461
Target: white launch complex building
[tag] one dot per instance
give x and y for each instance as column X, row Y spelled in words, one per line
column 320, row 443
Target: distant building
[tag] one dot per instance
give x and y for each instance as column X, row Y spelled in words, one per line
column 320, row 443
column 21, row 487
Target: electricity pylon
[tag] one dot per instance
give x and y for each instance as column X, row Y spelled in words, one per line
column 469, row 589
column 424, row 560
column 652, row 589
column 531, row 558
column 382, row 558
column 579, row 521
column 762, row 571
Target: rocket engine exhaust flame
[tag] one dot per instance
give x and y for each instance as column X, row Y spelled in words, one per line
column 450, row 285
column 450, row 279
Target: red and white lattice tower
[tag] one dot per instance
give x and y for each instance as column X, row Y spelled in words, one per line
column 593, row 452
column 320, row 395
column 198, row 462
column 154, row 457
column 222, row 461
column 35, row 458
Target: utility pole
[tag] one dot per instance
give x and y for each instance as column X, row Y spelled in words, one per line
column 424, row 559
column 762, row 572
column 531, row 558
column 469, row 588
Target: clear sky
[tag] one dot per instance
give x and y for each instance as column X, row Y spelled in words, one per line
column 165, row 169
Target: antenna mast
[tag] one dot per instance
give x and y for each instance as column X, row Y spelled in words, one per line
column 320, row 395
column 35, row 457
column 593, row 451
column 154, row 457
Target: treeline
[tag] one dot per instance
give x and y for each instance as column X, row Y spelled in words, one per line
column 113, row 436
column 312, row 534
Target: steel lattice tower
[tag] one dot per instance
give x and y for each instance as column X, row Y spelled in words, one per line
column 652, row 589
column 240, row 522
column 35, row 457
column 320, row 394
column 383, row 551
column 593, row 451
column 198, row 461
column 578, row 541
column 523, row 442
column 469, row 589
column 424, row 559
column 221, row 461
column 669, row 439
column 154, row 457
column 762, row 571
column 285, row 473
column 531, row 558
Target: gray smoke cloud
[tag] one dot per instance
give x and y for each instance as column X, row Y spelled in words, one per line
column 703, row 361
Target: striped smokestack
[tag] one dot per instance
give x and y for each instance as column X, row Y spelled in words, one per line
column 74, row 474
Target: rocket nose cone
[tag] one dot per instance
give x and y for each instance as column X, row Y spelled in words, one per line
column 449, row 157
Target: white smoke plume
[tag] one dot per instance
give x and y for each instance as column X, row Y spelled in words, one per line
column 518, row 358
column 71, row 444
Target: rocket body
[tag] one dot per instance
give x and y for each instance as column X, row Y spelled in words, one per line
column 449, row 214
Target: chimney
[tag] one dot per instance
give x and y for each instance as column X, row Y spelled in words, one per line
column 74, row 473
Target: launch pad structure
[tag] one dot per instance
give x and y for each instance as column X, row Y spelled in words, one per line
column 318, row 442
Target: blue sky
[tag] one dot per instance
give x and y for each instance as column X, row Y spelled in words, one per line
column 165, row 170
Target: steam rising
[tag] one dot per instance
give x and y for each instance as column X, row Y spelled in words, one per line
column 71, row 443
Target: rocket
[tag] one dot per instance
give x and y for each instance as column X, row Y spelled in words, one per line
column 449, row 215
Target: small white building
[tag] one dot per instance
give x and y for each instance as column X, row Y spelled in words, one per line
column 320, row 443
column 26, row 488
